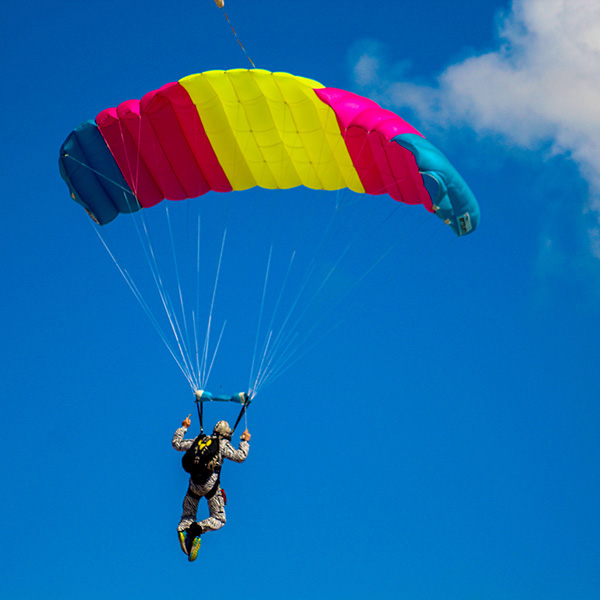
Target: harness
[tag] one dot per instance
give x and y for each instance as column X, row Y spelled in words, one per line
column 209, row 494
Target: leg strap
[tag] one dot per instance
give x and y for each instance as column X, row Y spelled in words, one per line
column 214, row 490
column 192, row 494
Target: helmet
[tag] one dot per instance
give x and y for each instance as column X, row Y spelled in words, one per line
column 222, row 428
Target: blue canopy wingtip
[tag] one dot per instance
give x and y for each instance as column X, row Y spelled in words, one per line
column 453, row 201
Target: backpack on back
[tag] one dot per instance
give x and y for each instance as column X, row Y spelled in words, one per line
column 201, row 459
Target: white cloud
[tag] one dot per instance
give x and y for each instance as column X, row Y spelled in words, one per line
column 542, row 85
column 539, row 88
column 367, row 65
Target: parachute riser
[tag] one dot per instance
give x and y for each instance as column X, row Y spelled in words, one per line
column 242, row 411
column 200, row 407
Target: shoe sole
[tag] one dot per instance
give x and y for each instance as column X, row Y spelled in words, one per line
column 194, row 549
column 182, row 542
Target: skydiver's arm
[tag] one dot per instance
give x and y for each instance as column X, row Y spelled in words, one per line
column 239, row 455
column 178, row 442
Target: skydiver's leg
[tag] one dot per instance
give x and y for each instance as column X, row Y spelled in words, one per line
column 190, row 509
column 216, row 513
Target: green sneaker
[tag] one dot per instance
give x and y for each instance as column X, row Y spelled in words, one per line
column 181, row 535
column 195, row 546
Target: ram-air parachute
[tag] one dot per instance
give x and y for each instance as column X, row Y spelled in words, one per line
column 228, row 131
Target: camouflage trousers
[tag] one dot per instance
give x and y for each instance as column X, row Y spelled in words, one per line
column 216, row 507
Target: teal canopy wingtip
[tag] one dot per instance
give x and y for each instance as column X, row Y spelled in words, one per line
column 453, row 201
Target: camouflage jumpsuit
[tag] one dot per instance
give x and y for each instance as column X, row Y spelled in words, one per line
column 216, row 503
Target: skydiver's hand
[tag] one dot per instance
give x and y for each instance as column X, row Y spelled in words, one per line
column 245, row 436
column 186, row 423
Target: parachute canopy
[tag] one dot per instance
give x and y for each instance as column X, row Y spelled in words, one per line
column 237, row 129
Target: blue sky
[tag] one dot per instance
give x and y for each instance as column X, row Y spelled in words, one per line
column 440, row 442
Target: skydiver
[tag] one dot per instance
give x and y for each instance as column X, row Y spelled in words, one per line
column 189, row 530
